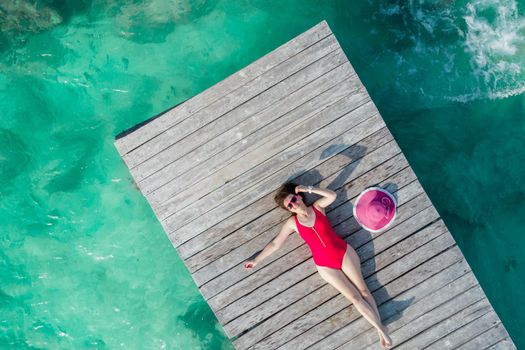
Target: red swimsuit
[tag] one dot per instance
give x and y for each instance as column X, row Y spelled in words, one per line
column 328, row 249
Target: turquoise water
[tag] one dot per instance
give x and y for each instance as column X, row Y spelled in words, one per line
column 84, row 263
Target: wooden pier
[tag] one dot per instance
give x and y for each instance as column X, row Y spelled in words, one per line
column 209, row 168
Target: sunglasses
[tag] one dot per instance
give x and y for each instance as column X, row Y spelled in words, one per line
column 293, row 200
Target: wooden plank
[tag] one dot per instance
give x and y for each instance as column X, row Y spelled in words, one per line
column 231, row 83
column 209, row 246
column 340, row 333
column 286, row 280
column 289, row 261
column 438, row 323
column 486, row 339
column 276, row 170
column 297, row 91
column 277, row 215
column 240, row 255
column 376, row 257
column 461, row 294
column 306, row 269
column 385, row 276
column 243, row 287
column 505, row 344
column 253, row 317
column 236, row 256
column 418, row 283
column 266, row 203
column 253, row 96
column 466, row 332
column 312, row 133
column 161, row 190
column 302, row 289
column 267, row 154
column 247, row 214
column 283, row 299
column 262, row 275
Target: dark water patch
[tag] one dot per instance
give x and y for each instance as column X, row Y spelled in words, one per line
column 67, row 9
column 510, row 264
column 92, row 342
column 76, row 154
column 15, row 297
column 12, row 341
column 14, row 159
column 32, row 111
column 142, row 23
column 489, row 13
column 21, row 19
column 194, row 318
column 6, row 300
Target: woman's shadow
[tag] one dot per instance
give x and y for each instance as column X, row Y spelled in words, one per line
column 390, row 309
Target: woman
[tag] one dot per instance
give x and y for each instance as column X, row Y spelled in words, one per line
column 337, row 262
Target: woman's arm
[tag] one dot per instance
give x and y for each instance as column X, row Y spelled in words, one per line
column 275, row 244
column 327, row 196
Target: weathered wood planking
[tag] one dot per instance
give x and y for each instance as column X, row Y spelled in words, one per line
column 209, row 168
column 316, row 77
column 237, row 288
column 347, row 158
column 420, row 282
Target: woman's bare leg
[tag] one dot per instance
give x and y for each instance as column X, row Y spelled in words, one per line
column 352, row 269
column 340, row 282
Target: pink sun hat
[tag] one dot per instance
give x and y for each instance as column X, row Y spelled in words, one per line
column 375, row 209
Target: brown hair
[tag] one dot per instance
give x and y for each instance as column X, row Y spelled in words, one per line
column 283, row 191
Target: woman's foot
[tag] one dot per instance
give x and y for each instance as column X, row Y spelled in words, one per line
column 384, row 339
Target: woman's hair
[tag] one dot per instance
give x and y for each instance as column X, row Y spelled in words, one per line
column 283, row 191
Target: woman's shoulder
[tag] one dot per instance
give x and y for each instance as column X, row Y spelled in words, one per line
column 318, row 208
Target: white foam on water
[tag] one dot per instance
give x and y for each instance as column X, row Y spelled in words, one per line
column 474, row 52
column 490, row 95
column 389, row 9
column 497, row 47
column 98, row 258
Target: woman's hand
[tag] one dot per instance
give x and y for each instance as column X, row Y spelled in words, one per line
column 301, row 188
column 250, row 264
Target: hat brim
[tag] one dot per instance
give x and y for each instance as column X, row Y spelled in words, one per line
column 362, row 202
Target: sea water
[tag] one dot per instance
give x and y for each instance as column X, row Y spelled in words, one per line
column 84, row 264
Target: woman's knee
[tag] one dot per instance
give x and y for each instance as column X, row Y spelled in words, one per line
column 338, row 280
column 353, row 295
column 365, row 293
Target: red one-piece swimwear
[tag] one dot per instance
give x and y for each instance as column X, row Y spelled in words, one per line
column 328, row 249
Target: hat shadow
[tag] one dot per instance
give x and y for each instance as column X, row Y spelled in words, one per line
column 390, row 308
